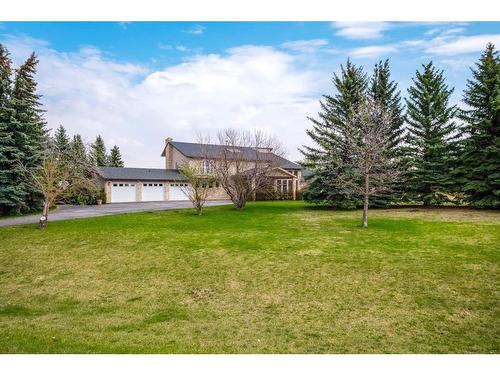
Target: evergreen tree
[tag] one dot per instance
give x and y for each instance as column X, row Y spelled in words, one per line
column 479, row 171
column 11, row 193
column 431, row 133
column 115, row 158
column 327, row 158
column 82, row 183
column 28, row 126
column 62, row 141
column 77, row 149
column 384, row 91
column 98, row 152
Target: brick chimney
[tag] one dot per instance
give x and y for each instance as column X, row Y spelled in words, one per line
column 168, row 153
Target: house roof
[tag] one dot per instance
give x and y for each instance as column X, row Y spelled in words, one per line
column 275, row 172
column 196, row 150
column 306, row 173
column 142, row 174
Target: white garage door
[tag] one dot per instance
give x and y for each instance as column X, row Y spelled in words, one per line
column 123, row 192
column 152, row 192
column 176, row 193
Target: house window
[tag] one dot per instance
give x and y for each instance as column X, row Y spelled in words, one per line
column 284, row 185
column 207, row 166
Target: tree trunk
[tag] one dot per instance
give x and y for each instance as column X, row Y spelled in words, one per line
column 365, row 201
column 365, row 212
column 45, row 215
column 240, row 203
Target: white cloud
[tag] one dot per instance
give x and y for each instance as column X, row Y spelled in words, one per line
column 166, row 47
column 124, row 25
column 446, row 29
column 447, row 43
column 454, row 30
column 372, row 51
column 460, row 45
column 360, row 30
column 458, row 65
column 195, row 30
column 305, row 46
column 247, row 87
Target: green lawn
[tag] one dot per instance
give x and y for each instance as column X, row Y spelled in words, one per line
column 278, row 277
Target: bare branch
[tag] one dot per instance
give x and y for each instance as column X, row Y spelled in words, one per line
column 198, row 187
column 243, row 161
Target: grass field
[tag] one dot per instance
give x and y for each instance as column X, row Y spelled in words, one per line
column 278, row 277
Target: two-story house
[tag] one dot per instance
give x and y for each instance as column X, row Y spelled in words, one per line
column 144, row 184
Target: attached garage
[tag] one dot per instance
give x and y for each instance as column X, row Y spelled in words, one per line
column 177, row 192
column 141, row 184
column 153, row 191
column 122, row 192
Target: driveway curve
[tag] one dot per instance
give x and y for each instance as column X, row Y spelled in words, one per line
column 67, row 212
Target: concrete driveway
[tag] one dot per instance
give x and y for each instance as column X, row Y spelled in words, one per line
column 66, row 212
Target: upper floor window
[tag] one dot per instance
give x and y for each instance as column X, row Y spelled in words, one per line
column 207, row 167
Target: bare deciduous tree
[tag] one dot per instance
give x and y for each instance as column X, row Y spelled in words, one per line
column 368, row 168
column 54, row 176
column 199, row 185
column 243, row 161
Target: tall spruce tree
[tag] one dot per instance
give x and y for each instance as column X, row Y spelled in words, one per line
column 327, row 158
column 431, row 134
column 384, row 91
column 77, row 149
column 11, row 193
column 115, row 158
column 479, row 171
column 62, row 141
column 98, row 152
column 28, row 130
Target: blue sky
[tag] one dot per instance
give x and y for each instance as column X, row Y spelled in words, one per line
column 137, row 83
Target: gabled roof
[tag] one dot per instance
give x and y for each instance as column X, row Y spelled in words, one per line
column 274, row 172
column 196, row 150
column 141, row 174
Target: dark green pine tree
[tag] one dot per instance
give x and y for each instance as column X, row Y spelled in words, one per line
column 431, row 137
column 11, row 193
column 325, row 159
column 78, row 150
column 98, row 152
column 479, row 170
column 28, row 126
column 384, row 91
column 115, row 158
column 62, row 141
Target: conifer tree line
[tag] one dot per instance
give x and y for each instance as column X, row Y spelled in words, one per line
column 444, row 153
column 24, row 137
column 75, row 149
